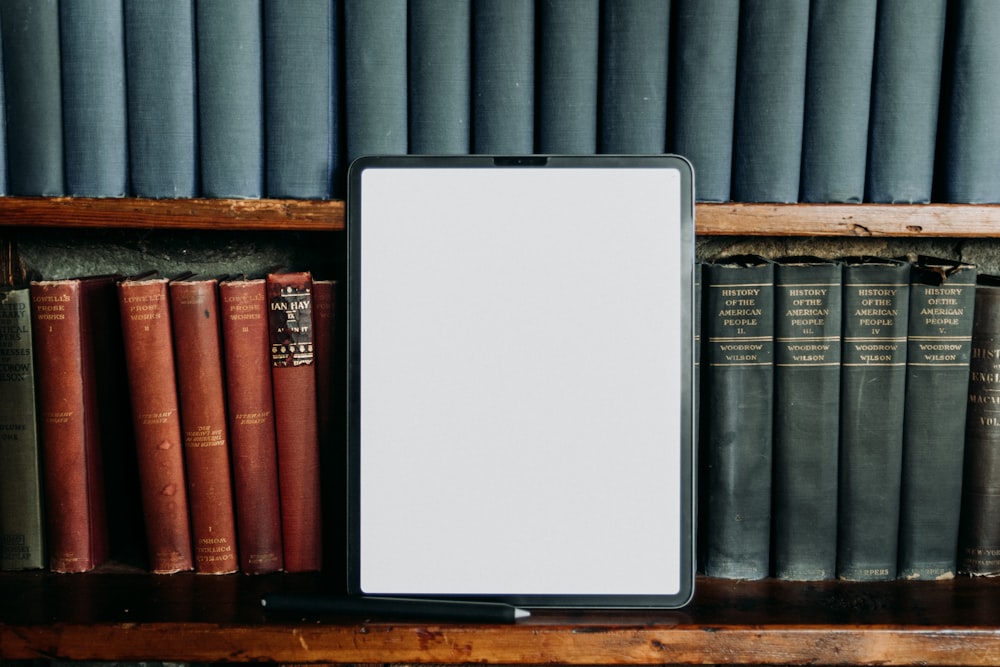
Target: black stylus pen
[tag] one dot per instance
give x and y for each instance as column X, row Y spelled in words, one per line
column 418, row 609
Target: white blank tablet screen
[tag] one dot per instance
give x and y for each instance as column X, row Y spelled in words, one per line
column 521, row 381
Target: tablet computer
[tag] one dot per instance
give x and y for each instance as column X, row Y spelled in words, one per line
column 520, row 399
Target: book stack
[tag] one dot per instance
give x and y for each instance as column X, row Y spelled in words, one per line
column 772, row 100
column 187, row 409
column 836, row 393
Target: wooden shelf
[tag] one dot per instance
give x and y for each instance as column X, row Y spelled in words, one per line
column 847, row 220
column 212, row 214
column 218, row 618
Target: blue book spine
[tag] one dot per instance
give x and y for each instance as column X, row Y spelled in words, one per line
column 704, row 91
column 973, row 144
column 503, row 88
column 95, row 124
column 162, row 114
column 770, row 100
column 230, row 98
column 567, row 76
column 300, row 100
column 375, row 66
column 838, row 96
column 635, row 38
column 439, row 78
column 906, row 80
column 3, row 121
column 33, row 93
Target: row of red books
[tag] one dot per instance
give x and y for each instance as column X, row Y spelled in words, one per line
column 226, row 382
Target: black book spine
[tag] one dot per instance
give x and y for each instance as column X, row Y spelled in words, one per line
column 808, row 303
column 873, row 379
column 300, row 146
column 92, row 43
column 906, row 78
column 439, row 78
column 635, row 53
column 979, row 530
column 942, row 297
column 230, row 98
column 703, row 63
column 770, row 100
column 973, row 146
column 567, row 76
column 739, row 330
column 837, row 102
column 161, row 98
column 33, row 92
column 375, row 74
column 503, row 76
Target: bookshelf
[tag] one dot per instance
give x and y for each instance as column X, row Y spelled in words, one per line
column 120, row 614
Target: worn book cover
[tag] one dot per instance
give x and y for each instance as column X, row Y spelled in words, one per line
column 293, row 372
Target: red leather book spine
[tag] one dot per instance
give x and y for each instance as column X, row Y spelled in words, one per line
column 245, row 343
column 194, row 311
column 149, row 357
column 293, row 374
column 71, row 452
column 324, row 328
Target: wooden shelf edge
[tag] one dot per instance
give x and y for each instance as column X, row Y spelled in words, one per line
column 711, row 219
column 523, row 644
column 195, row 618
column 848, row 220
column 137, row 213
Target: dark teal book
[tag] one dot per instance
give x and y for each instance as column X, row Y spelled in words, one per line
column 872, row 381
column 230, row 98
column 703, row 71
column 942, row 298
column 95, row 125
column 568, row 36
column 634, row 59
column 301, row 148
column 33, row 95
column 770, row 100
column 503, row 76
column 906, row 80
column 838, row 99
column 972, row 173
column 161, row 95
column 439, row 76
column 375, row 62
column 808, row 304
column 739, row 378
column 979, row 530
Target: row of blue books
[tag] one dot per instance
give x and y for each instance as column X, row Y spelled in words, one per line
column 772, row 100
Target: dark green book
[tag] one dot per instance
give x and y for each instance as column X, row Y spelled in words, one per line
column 979, row 530
column 739, row 378
column 703, row 63
column 808, row 302
column 375, row 74
column 439, row 76
column 33, row 93
column 942, row 298
column 770, row 100
column 22, row 520
column 230, row 98
column 95, row 126
column 503, row 76
column 906, row 80
column 972, row 175
column 300, row 99
column 162, row 111
column 838, row 99
column 568, row 34
column 634, row 59
column 873, row 382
